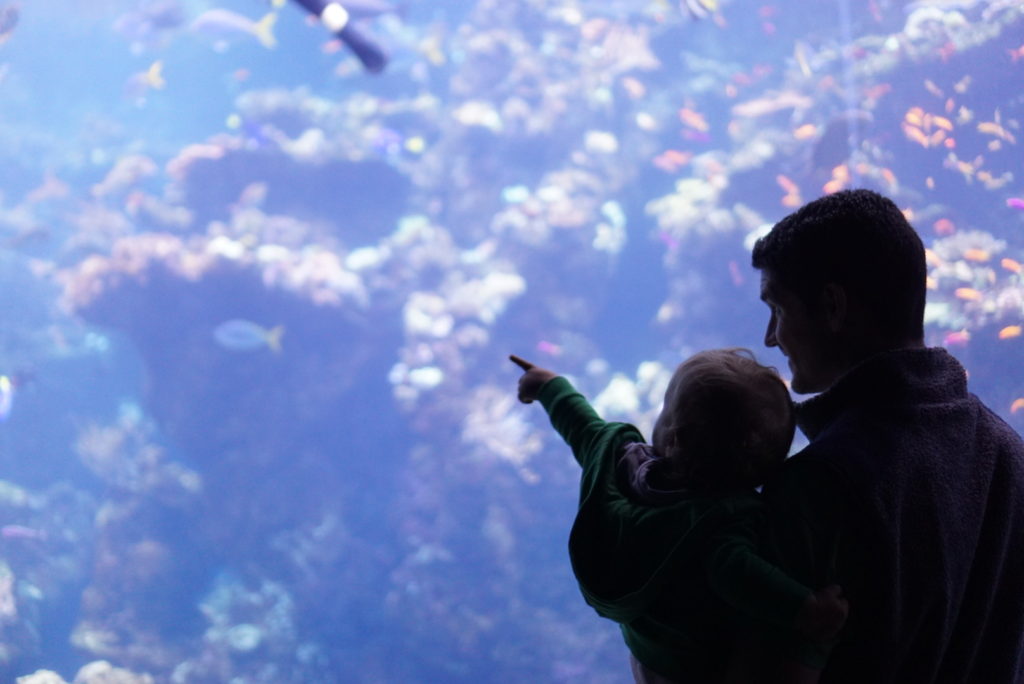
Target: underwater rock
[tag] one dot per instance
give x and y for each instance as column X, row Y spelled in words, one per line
column 274, row 438
column 362, row 198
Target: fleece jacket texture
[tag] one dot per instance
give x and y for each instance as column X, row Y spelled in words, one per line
column 911, row 496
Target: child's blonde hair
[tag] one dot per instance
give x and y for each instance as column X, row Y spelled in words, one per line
column 727, row 423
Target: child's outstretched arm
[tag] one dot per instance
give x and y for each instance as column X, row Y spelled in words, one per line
column 532, row 379
column 571, row 415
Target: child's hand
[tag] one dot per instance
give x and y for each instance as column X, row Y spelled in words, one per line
column 532, row 379
column 823, row 613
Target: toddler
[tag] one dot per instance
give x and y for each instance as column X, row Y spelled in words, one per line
column 665, row 541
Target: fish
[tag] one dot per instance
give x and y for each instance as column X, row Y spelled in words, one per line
column 700, row 9
column 1009, row 332
column 968, row 294
column 996, row 129
column 9, row 15
column 222, row 25
column 151, row 78
column 672, row 160
column 977, row 254
column 1011, row 265
column 805, row 132
column 1015, row 202
column 239, row 334
column 1017, row 405
column 693, row 119
column 14, row 531
column 6, row 397
column 773, row 103
column 958, row 338
column 337, row 18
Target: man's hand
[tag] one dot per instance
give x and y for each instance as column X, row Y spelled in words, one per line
column 532, row 380
column 823, row 613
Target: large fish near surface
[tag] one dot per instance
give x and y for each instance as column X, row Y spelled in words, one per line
column 700, row 9
column 222, row 25
column 338, row 16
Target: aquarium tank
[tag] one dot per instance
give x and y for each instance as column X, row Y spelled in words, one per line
column 261, row 271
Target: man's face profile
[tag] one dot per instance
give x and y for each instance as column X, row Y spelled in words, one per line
column 801, row 335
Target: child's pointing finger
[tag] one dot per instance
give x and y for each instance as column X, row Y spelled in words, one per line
column 522, row 363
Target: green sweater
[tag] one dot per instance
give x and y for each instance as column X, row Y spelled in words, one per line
column 675, row 577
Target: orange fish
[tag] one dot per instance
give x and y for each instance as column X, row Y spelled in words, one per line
column 944, row 227
column 1010, row 331
column 805, row 132
column 792, row 197
column 968, row 293
column 633, row 87
column 1017, row 53
column 1011, row 265
column 788, row 185
column 956, row 339
column 671, row 161
column 916, row 134
column 694, row 119
column 996, row 129
column 976, row 254
column 942, row 122
column 1017, row 405
column 877, row 91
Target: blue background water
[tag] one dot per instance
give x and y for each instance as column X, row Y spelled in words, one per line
column 371, row 504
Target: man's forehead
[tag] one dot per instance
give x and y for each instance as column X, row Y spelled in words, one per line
column 768, row 286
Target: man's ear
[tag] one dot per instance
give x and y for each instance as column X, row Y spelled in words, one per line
column 835, row 306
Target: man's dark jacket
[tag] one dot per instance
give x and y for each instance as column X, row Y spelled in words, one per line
column 911, row 496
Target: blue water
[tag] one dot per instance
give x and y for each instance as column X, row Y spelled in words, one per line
column 574, row 182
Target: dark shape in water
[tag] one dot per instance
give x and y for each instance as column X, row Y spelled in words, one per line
column 834, row 146
column 148, row 27
column 8, row 20
column 369, row 195
column 337, row 18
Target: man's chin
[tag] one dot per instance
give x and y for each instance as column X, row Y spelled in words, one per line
column 798, row 385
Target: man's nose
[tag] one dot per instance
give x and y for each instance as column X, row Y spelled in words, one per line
column 769, row 335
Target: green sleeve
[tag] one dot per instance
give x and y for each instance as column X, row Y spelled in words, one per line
column 747, row 582
column 572, row 417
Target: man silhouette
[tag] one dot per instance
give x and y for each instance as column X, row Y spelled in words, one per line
column 910, row 493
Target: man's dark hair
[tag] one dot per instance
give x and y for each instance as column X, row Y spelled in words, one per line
column 859, row 240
